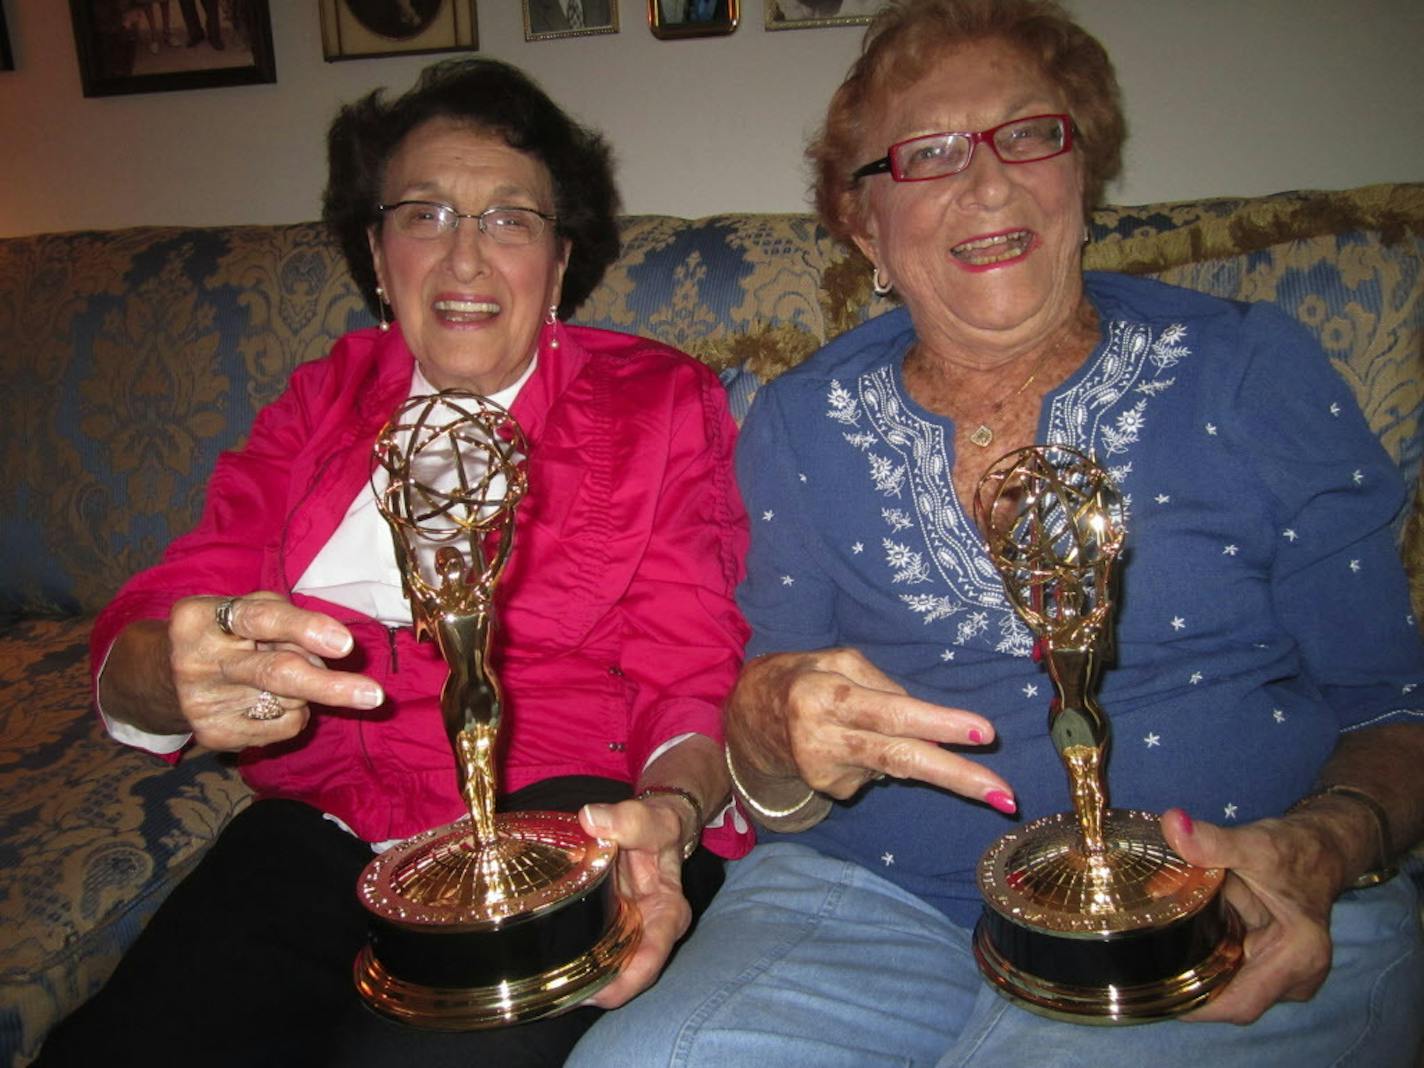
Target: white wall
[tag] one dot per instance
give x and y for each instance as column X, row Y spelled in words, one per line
column 1223, row 96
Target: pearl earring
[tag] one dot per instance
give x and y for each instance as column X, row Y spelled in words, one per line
column 381, row 309
column 551, row 318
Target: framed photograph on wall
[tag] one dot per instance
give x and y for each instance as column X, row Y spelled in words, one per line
column 692, row 18
column 128, row 47
column 365, row 29
column 547, row 19
column 7, row 58
column 805, row 14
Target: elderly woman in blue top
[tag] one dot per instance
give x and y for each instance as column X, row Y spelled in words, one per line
column 1265, row 645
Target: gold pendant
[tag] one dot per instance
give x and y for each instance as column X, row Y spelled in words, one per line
column 982, row 436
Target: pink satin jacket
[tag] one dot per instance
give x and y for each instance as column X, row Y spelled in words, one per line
column 617, row 624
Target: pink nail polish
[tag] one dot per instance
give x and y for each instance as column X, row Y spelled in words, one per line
column 976, row 736
column 1002, row 801
column 1187, row 822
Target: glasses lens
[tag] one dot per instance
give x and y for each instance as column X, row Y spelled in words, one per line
column 1030, row 139
column 929, row 157
column 512, row 226
column 418, row 219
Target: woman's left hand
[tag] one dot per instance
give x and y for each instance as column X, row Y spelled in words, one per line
column 648, row 876
column 1283, row 876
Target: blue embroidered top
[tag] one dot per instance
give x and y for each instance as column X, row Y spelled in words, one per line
column 1262, row 607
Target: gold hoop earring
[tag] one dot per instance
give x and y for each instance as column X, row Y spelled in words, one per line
column 381, row 309
column 882, row 288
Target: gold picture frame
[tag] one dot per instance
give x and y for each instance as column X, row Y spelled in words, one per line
column 810, row 14
column 132, row 48
column 547, row 20
column 671, row 19
column 366, row 29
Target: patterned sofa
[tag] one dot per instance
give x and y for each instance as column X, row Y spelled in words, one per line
column 129, row 359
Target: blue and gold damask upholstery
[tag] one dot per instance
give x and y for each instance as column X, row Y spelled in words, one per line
column 130, row 359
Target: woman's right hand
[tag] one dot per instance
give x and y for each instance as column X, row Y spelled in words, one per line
column 835, row 721
column 188, row 675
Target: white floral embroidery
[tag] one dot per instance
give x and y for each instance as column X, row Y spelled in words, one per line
column 861, row 441
column 931, row 606
column 976, row 624
column 930, row 540
column 1126, row 429
column 896, row 519
column 1154, row 387
column 910, row 565
column 1015, row 639
column 1166, row 351
column 888, row 476
column 844, row 407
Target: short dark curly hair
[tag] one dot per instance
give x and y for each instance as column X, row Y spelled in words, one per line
column 909, row 35
column 490, row 96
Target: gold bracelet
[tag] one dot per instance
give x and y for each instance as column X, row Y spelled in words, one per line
column 756, row 806
column 690, row 846
column 1385, row 870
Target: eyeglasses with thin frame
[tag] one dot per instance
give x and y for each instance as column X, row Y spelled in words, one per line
column 426, row 220
column 939, row 155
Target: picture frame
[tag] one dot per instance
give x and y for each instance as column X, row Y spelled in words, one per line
column 7, row 57
column 810, row 14
column 670, row 19
column 547, row 20
column 170, row 45
column 370, row 29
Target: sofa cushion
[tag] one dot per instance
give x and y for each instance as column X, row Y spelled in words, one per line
column 1349, row 265
column 92, row 835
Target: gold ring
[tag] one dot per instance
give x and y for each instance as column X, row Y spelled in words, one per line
column 223, row 614
column 267, row 706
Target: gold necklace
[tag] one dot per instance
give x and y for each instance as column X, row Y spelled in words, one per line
column 983, row 434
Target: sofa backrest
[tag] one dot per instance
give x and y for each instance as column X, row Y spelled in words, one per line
column 130, row 359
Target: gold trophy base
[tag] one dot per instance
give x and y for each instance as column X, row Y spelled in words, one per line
column 1130, row 935
column 466, row 936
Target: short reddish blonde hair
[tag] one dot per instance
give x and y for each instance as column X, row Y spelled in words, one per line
column 908, row 35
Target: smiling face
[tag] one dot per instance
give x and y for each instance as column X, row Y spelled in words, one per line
column 470, row 309
column 988, row 261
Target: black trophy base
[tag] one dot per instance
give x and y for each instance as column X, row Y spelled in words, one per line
column 1126, row 979
column 1128, row 934
column 466, row 937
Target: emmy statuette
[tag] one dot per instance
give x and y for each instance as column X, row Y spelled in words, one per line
column 496, row 918
column 1089, row 916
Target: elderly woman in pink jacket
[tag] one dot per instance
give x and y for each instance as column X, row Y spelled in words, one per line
column 474, row 215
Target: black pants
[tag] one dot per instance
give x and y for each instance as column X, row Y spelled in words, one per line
column 249, row 961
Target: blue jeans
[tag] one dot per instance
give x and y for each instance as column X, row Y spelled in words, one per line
column 805, row 960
